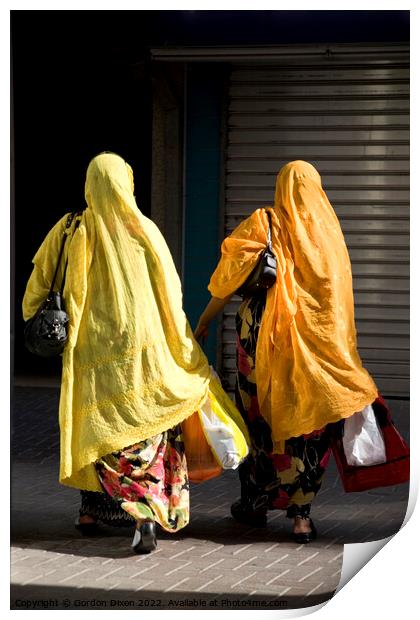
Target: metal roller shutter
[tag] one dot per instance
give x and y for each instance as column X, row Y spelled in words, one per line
column 349, row 118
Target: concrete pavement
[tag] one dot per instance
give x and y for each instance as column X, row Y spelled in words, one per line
column 214, row 563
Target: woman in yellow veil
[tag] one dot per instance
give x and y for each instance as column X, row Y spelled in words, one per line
column 297, row 360
column 132, row 370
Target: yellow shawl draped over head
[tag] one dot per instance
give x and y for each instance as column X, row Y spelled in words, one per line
column 308, row 371
column 131, row 367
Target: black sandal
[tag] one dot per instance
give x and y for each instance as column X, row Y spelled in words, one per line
column 248, row 517
column 144, row 540
column 302, row 538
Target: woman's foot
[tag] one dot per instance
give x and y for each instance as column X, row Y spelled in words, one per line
column 249, row 517
column 87, row 525
column 144, row 540
column 304, row 530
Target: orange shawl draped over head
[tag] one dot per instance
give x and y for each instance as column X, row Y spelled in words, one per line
column 308, row 371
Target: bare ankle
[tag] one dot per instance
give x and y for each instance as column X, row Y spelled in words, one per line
column 302, row 524
column 87, row 519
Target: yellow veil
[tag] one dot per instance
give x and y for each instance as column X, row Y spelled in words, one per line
column 308, row 371
column 131, row 368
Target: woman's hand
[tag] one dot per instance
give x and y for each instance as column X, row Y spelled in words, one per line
column 214, row 306
column 201, row 331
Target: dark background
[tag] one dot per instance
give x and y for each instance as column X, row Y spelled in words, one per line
column 82, row 83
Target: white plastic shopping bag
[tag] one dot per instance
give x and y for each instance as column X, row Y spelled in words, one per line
column 363, row 443
column 220, row 438
column 223, row 426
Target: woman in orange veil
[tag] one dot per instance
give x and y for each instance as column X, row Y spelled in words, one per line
column 298, row 369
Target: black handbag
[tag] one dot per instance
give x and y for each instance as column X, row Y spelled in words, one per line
column 46, row 332
column 264, row 274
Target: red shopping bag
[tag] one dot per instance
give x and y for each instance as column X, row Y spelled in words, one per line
column 395, row 470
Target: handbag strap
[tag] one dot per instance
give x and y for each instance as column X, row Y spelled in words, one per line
column 67, row 259
column 269, row 231
column 63, row 243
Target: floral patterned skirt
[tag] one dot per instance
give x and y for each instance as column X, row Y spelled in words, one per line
column 286, row 481
column 148, row 480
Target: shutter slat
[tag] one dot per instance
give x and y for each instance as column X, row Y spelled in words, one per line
column 351, row 121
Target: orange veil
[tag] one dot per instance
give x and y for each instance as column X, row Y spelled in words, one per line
column 308, row 370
